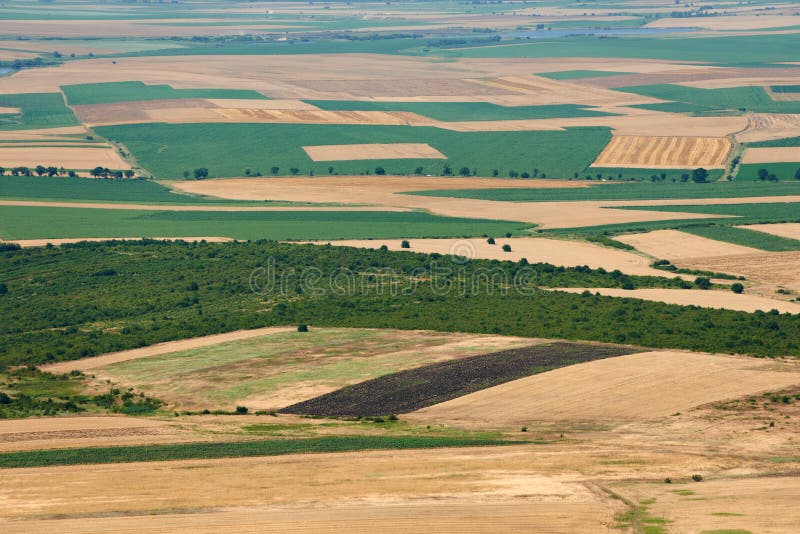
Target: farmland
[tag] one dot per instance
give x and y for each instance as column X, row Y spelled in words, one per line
column 399, row 266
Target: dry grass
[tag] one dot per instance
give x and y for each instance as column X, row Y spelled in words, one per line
column 768, row 126
column 664, row 152
column 674, row 245
column 696, row 297
column 634, row 387
column 777, row 268
column 78, row 157
column 789, row 230
column 771, row 155
column 373, row 151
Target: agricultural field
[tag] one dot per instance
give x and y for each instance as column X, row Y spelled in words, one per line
column 399, row 266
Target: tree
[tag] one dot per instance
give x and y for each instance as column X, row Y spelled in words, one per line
column 512, row 173
column 464, row 171
column 97, row 172
column 685, row 177
column 330, row 170
column 763, row 174
column 380, row 171
column 294, row 170
column 490, row 241
column 200, row 173
column 128, row 173
column 405, row 244
column 525, row 175
column 495, row 173
column 506, row 248
column 737, row 288
column 275, row 170
column 72, row 174
column 241, row 410
column 419, row 170
column 3, row 171
column 247, row 171
column 699, row 175
column 702, row 282
column 447, row 171
column 186, row 174
column 797, row 174
column 52, row 171
column 40, row 170
column 3, row 288
column 302, row 328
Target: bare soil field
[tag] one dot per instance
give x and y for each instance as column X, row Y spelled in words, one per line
column 726, row 23
column 769, row 126
column 778, row 268
column 674, row 245
column 78, row 157
column 129, row 112
column 641, row 386
column 696, row 297
column 48, row 134
column 664, row 152
column 790, row 230
column 534, row 249
column 686, row 75
column 373, row 151
column 96, row 362
column 771, row 155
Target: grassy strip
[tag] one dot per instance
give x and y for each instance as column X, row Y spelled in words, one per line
column 695, row 99
column 786, row 141
column 464, row 111
column 34, row 222
column 37, row 110
column 206, row 451
column 746, row 237
column 111, row 92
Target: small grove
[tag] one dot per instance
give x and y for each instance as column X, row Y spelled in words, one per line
column 69, row 302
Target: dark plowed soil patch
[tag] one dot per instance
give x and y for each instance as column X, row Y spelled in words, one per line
column 414, row 389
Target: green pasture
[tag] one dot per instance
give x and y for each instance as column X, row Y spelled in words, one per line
column 37, row 110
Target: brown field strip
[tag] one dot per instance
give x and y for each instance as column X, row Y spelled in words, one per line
column 778, row 268
column 664, row 152
column 786, row 154
column 161, row 348
column 641, row 386
column 788, row 230
column 769, row 126
column 675, row 245
column 725, row 300
column 373, row 151
column 78, row 157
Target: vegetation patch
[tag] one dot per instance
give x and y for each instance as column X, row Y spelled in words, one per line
column 751, row 98
column 745, row 237
column 206, row 450
column 37, row 110
column 414, row 389
column 111, row 92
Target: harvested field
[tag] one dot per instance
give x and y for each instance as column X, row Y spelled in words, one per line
column 400, row 87
column 728, row 504
column 778, row 268
column 664, row 152
column 44, row 242
column 161, row 348
column 534, row 249
column 296, row 116
column 788, row 230
column 78, row 157
column 769, row 126
column 725, row 300
column 771, row 155
column 729, row 23
column 641, row 386
column 411, row 390
column 136, row 111
column 285, row 367
column 674, row 245
column 232, row 103
column 373, row 151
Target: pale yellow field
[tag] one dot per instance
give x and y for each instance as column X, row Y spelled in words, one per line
column 768, row 126
column 727, row 23
column 642, row 386
column 43, row 242
column 789, row 230
column 776, row 268
column 726, row 300
column 664, row 152
column 674, row 245
column 78, row 157
column 771, row 155
column 373, row 151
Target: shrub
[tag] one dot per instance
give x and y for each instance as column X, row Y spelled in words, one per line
column 405, row 244
column 667, row 480
column 737, row 288
column 506, row 248
column 3, row 289
column 697, row 478
column 702, row 282
column 302, row 328
column 241, row 410
column 490, row 241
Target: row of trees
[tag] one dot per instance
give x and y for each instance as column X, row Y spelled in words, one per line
column 764, row 175
column 51, row 171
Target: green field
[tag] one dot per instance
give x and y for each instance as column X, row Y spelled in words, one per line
column 24, row 222
column 728, row 50
column 234, row 449
column 745, row 237
column 463, row 111
column 111, row 92
column 167, row 150
column 38, row 110
column 692, row 99
column 86, row 189
column 786, row 141
column 784, row 171
column 628, row 191
column 785, row 88
column 575, row 74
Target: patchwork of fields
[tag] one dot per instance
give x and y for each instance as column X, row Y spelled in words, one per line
column 406, row 266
